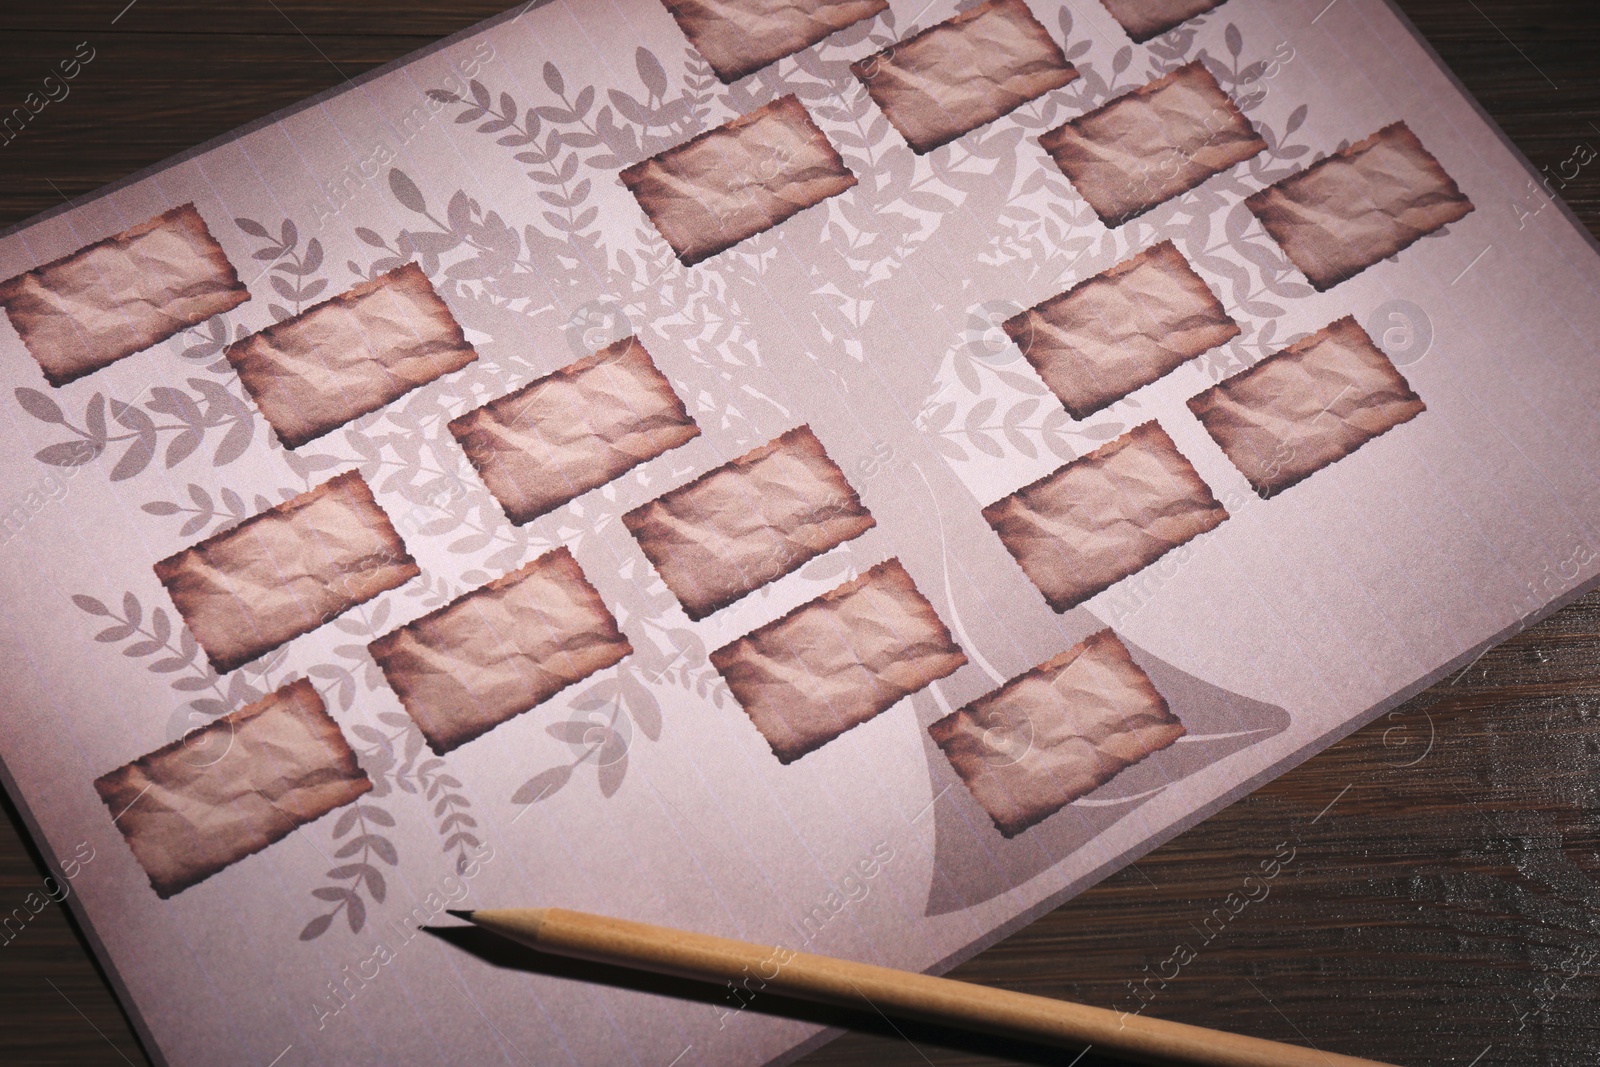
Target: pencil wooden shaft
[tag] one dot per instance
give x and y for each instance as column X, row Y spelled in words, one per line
column 863, row 986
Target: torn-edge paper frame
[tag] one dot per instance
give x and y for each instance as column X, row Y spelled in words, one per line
column 1104, row 516
column 1056, row 732
column 1145, row 20
column 739, row 37
column 121, row 295
column 231, row 788
column 350, row 355
column 1121, row 330
column 839, row 660
column 1152, row 144
column 573, row 430
column 499, row 650
column 742, row 178
column 287, row 571
column 1371, row 201
column 967, row 71
column 1306, row 406
column 748, row 522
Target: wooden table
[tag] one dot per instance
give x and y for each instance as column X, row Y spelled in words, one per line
column 1442, row 906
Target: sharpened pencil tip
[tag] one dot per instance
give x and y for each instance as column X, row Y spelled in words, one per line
column 467, row 915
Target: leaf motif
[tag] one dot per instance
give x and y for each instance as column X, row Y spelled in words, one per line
column 160, row 626
column 114, row 633
column 289, row 235
column 630, row 109
column 571, row 732
column 1020, row 442
column 234, row 442
column 94, row 420
column 650, row 72
column 405, row 190
column 984, row 443
column 175, row 402
column 980, row 414
column 385, row 850
column 1297, row 118
column 252, row 227
column 139, row 453
column 40, row 406
column 1233, row 39
column 371, row 736
column 612, row 773
column 457, row 214
column 542, row 785
column 371, row 238
column 1022, row 383
column 316, row 927
column 181, row 446
column 68, row 453
column 131, row 612
column 283, row 288
column 937, row 418
column 356, row 913
column 967, row 375
column 89, row 604
column 377, row 815
column 552, row 78
column 347, row 821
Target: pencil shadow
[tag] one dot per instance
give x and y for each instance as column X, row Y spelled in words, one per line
column 498, row 952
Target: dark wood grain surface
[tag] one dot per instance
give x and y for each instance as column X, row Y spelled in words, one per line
column 1443, row 902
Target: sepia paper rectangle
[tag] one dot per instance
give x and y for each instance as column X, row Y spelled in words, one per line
column 739, row 37
column 349, row 356
column 1307, row 406
column 1344, row 213
column 964, row 73
column 286, row 571
column 574, row 430
column 121, row 295
column 500, row 650
column 1121, row 329
column 1063, row 729
column 232, row 787
column 1155, row 143
column 738, row 180
column 838, row 661
column 749, row 522
column 1144, row 20
column 1094, row 521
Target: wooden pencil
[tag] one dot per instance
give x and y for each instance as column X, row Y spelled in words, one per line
column 862, row 986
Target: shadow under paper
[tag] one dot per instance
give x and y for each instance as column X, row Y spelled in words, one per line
column 974, row 863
